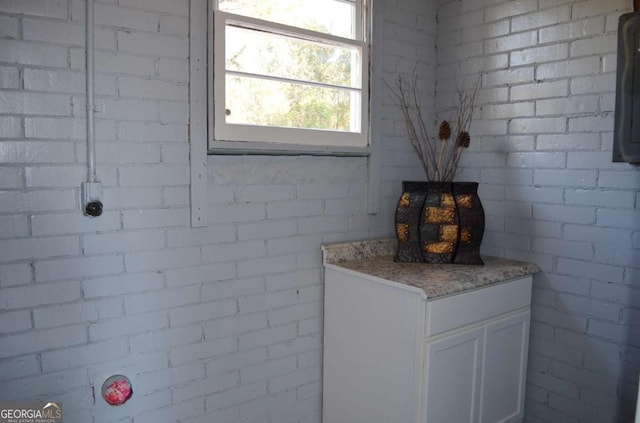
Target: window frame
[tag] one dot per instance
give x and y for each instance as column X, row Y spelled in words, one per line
column 225, row 138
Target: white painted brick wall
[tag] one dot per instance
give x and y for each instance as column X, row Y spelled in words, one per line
column 212, row 324
column 556, row 198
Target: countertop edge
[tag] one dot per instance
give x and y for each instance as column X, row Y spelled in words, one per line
column 375, row 259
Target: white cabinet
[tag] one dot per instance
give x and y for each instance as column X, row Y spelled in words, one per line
column 392, row 355
column 478, row 375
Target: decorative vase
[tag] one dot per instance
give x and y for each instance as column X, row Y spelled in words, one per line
column 439, row 222
column 471, row 223
column 439, row 230
column 407, row 220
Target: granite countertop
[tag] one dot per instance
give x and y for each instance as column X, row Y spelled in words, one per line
column 375, row 258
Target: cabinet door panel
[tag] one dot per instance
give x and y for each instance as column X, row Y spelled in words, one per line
column 506, row 347
column 453, row 372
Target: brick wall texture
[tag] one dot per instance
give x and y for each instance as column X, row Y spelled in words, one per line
column 224, row 323
column 541, row 150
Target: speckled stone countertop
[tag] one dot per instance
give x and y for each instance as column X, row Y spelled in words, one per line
column 375, row 258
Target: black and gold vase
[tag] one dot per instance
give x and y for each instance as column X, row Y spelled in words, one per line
column 439, row 222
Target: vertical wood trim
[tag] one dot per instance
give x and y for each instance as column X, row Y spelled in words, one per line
column 198, row 111
column 375, row 119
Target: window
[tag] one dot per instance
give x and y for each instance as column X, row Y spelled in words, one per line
column 290, row 72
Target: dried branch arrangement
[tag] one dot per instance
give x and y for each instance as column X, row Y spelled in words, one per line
column 439, row 157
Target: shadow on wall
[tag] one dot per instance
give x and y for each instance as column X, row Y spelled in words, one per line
column 580, row 365
column 615, row 365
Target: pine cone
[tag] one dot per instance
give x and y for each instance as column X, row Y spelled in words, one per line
column 444, row 132
column 463, row 140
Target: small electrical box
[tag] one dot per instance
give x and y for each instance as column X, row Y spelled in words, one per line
column 626, row 137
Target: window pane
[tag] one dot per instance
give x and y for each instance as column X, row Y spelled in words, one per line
column 334, row 17
column 257, row 52
column 254, row 101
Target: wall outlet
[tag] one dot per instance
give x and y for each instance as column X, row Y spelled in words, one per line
column 92, row 198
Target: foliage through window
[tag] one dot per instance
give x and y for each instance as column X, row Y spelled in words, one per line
column 291, row 71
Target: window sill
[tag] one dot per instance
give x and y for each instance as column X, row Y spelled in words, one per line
column 222, row 148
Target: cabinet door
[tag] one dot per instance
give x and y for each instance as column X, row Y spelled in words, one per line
column 505, row 362
column 453, row 375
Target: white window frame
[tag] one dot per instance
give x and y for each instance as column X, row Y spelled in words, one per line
column 225, row 138
column 200, row 112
